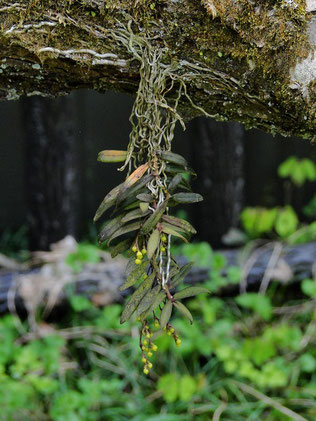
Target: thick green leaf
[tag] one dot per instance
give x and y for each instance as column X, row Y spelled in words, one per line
column 126, row 192
column 154, row 218
column 130, row 205
column 133, row 214
column 153, row 243
column 124, row 230
column 185, row 185
column 182, row 308
column 176, row 169
column 184, row 270
column 143, row 206
column 170, row 229
column 174, row 182
column 134, row 275
column 131, row 265
column 148, row 300
column 165, row 314
column 145, row 197
column 190, row 292
column 112, row 156
column 136, row 297
column 158, row 300
column 174, row 158
column 110, row 228
column 121, row 247
column 107, row 202
column 187, row 197
column 180, row 223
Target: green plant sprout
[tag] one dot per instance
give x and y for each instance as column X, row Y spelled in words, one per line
column 283, row 221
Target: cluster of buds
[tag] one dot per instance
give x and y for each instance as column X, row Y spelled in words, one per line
column 139, row 254
column 163, row 240
column 148, row 347
column 171, row 331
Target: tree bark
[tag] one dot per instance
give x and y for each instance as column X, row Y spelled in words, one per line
column 50, row 171
column 219, row 162
column 251, row 62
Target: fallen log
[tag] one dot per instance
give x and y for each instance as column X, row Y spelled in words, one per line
column 101, row 281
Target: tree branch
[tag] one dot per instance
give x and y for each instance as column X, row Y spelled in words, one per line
column 251, row 62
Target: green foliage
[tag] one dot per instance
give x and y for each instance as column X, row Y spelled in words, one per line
column 261, row 221
column 260, row 304
column 309, row 287
column 286, row 222
column 310, row 209
column 85, row 253
column 174, row 387
column 283, row 222
column 298, row 171
column 94, row 373
column 80, row 303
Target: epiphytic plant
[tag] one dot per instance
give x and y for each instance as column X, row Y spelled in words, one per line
column 153, row 185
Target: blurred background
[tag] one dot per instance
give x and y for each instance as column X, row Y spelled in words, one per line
column 63, row 354
column 51, row 182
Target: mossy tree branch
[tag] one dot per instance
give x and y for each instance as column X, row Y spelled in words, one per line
column 251, row 62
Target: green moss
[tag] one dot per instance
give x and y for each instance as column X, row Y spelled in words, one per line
column 248, row 50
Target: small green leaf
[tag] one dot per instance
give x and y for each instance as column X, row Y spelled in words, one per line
column 286, row 222
column 136, row 297
column 187, row 197
column 184, row 270
column 148, row 300
column 308, row 363
column 309, row 287
column 110, row 228
column 145, row 197
column 174, row 158
column 125, row 230
column 158, row 300
column 165, row 314
column 286, row 168
column 112, row 155
column 259, row 303
column 80, row 303
column 169, row 229
column 182, row 308
column 153, row 243
column 107, row 202
column 180, row 223
column 154, row 218
column 134, row 275
column 121, row 247
column 176, row 169
column 133, row 214
column 174, row 182
column 187, row 388
column 143, row 207
column 168, row 385
column 130, row 191
column 190, row 292
column 309, row 169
